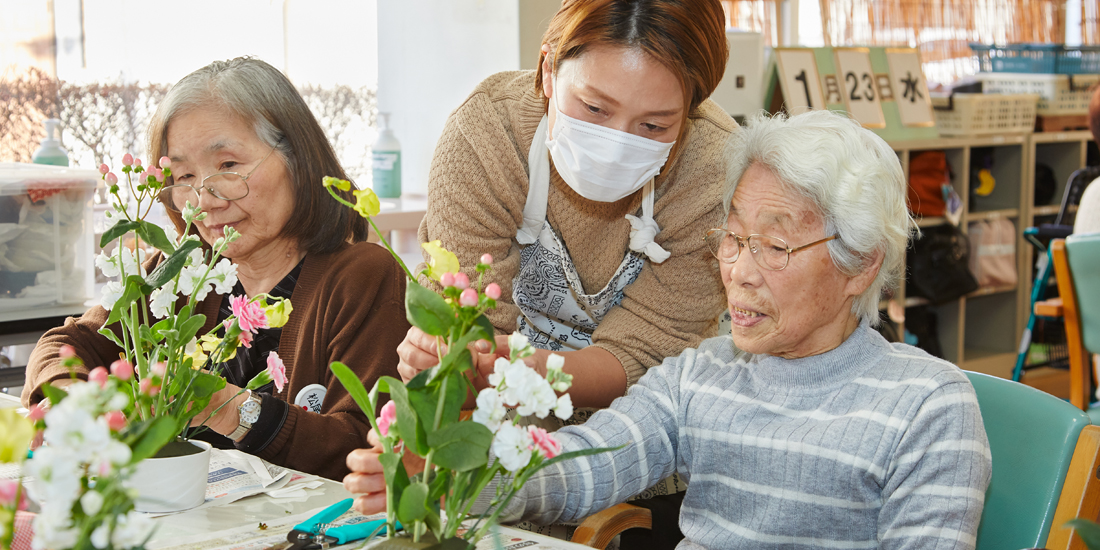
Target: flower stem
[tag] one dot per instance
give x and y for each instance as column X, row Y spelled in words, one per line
column 377, row 231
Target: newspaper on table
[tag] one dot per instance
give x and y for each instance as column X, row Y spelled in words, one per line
column 235, row 475
column 274, row 532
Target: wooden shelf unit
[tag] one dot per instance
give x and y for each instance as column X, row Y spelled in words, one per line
column 981, row 331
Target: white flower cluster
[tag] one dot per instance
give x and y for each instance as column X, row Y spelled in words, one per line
column 514, row 384
column 78, row 443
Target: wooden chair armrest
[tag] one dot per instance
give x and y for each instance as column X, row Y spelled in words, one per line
column 598, row 529
column 1049, row 308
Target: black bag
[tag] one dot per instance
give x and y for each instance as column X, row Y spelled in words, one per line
column 939, row 265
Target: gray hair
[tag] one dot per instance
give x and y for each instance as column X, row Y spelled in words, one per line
column 262, row 96
column 852, row 177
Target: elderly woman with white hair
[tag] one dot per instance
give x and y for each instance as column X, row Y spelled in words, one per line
column 807, row 428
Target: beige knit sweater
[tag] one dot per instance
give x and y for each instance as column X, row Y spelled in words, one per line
column 477, row 188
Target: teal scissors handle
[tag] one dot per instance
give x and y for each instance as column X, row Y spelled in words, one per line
column 349, row 533
column 325, row 516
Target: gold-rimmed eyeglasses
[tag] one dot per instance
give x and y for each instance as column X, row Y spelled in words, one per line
column 227, row 186
column 769, row 252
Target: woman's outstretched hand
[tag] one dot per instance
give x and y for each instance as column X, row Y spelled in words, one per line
column 366, row 480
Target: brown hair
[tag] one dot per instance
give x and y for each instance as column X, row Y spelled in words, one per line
column 263, row 97
column 686, row 36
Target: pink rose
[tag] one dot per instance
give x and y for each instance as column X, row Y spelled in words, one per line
column 486, row 258
column 447, row 279
column 147, row 387
column 543, row 442
column 158, row 369
column 468, row 298
column 387, row 417
column 165, row 162
column 36, row 412
column 98, row 376
column 8, row 489
column 115, row 420
column 250, row 315
column 128, row 159
column 66, row 352
column 122, row 369
column 493, row 291
column 277, row 370
column 462, row 281
column 103, row 169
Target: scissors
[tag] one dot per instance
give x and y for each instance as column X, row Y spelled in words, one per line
column 315, row 532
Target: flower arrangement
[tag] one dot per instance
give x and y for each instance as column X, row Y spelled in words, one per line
column 423, row 416
column 15, row 436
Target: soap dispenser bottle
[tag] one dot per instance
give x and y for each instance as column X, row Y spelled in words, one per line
column 386, row 161
column 50, row 152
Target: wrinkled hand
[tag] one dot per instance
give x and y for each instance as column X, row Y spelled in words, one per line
column 367, row 480
column 419, row 352
column 227, row 419
column 484, row 362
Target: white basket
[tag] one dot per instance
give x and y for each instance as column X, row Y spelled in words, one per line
column 985, row 114
column 1056, row 97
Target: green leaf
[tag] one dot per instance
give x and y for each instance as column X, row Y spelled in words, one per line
column 457, row 360
column 420, row 380
column 427, row 311
column 154, row 235
column 462, row 446
column 53, row 393
column 110, row 335
column 413, row 505
column 169, row 268
column 191, row 327
column 130, row 293
column 119, row 229
column 1088, row 531
column 355, row 388
column 456, row 397
column 397, row 479
column 412, row 432
column 160, row 431
column 205, row 384
column 485, row 330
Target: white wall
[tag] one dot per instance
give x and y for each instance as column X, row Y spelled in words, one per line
column 431, row 55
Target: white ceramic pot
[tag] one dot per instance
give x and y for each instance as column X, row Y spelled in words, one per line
column 172, row 483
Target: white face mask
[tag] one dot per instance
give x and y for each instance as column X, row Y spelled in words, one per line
column 599, row 163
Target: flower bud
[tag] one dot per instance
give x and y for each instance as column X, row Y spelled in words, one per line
column 462, row 281
column 165, row 162
column 36, row 412
column 103, row 169
column 122, row 369
column 158, row 368
column 447, row 280
column 66, row 352
column 493, row 291
column 146, row 386
column 115, row 420
column 486, row 258
column 111, row 178
column 137, row 163
column 98, row 376
column 468, row 298
column 128, row 159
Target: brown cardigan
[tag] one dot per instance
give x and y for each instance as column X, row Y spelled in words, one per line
column 348, row 306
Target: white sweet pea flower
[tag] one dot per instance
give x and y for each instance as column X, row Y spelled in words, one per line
column 519, row 345
column 224, row 276
column 101, row 537
column 539, row 399
column 512, row 445
column 490, row 410
column 191, row 282
column 110, row 294
column 196, row 257
column 564, row 407
column 554, row 375
column 91, row 503
column 161, row 300
column 132, row 530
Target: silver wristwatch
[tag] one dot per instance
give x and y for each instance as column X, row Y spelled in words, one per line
column 249, row 412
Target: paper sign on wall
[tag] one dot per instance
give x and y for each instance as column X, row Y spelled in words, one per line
column 859, row 87
column 798, row 79
column 910, row 88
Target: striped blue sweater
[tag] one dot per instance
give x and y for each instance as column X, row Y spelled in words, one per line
column 870, row 445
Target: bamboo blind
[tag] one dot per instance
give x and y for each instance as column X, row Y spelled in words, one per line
column 754, row 15
column 1090, row 22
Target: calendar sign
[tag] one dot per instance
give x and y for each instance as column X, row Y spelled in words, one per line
column 798, row 79
column 859, row 87
column 911, row 90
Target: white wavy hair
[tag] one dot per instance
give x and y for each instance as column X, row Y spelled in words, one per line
column 853, row 178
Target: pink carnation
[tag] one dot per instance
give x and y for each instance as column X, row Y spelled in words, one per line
column 245, row 339
column 250, row 315
column 8, row 489
column 543, row 442
column 98, row 376
column 468, row 298
column 387, row 417
column 277, row 370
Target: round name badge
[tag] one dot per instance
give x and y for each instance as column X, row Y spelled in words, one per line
column 311, row 397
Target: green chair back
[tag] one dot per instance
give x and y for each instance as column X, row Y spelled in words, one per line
column 1032, row 436
column 1083, row 253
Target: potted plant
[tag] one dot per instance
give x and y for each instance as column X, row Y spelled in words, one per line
column 423, row 416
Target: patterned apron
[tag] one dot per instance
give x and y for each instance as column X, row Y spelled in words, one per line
column 555, row 313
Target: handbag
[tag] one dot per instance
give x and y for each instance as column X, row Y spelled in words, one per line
column 993, row 252
column 939, row 265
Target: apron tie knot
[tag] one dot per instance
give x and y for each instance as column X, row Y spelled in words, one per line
column 642, row 231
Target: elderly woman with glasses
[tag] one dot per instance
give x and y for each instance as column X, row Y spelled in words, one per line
column 246, row 149
column 806, row 428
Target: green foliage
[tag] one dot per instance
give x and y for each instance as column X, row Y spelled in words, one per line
column 1089, row 532
column 170, row 267
column 461, row 446
column 427, row 311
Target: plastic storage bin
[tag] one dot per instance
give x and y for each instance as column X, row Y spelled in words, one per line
column 46, row 238
column 984, row 114
column 1038, row 58
column 1059, row 94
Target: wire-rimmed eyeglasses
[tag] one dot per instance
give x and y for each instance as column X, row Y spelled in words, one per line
column 769, row 252
column 227, row 186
